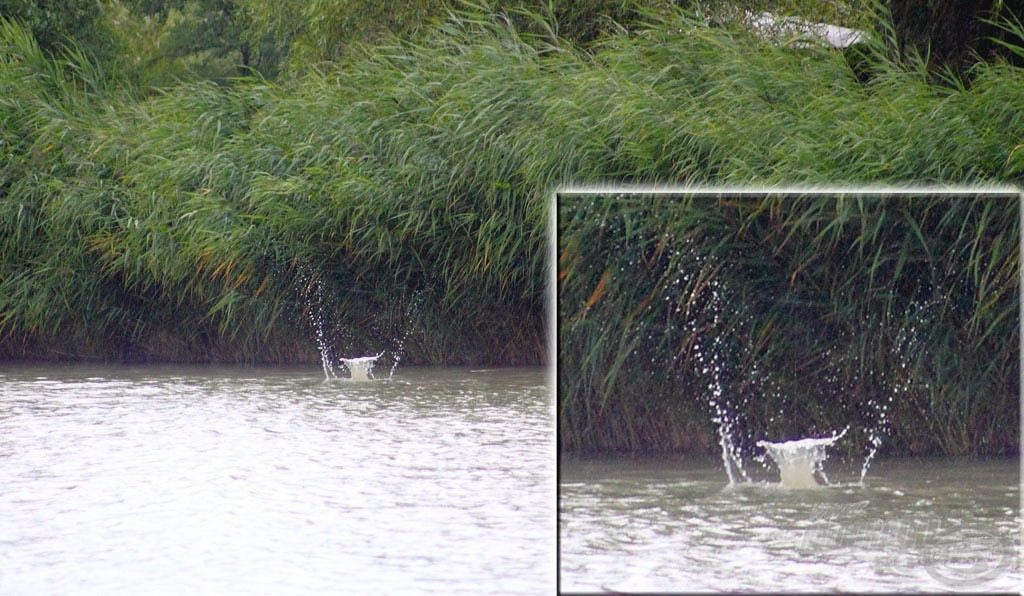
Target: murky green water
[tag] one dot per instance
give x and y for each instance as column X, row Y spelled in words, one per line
column 671, row 525
column 232, row 480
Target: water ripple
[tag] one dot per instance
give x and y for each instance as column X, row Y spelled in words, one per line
column 240, row 481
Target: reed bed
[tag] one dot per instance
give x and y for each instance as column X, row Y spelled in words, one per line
column 791, row 315
column 412, row 183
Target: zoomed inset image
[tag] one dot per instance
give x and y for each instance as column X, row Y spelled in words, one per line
column 788, row 390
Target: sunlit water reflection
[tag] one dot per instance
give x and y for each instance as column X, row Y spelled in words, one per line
column 229, row 480
column 669, row 525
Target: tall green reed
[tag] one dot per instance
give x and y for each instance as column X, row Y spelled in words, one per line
column 801, row 312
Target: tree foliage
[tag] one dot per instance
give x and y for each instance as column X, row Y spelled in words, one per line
column 55, row 23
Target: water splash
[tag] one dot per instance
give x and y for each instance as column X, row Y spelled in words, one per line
column 711, row 320
column 875, row 439
column 412, row 311
column 907, row 346
column 361, row 369
column 711, row 355
column 799, row 460
column 703, row 318
column 314, row 293
column 333, row 339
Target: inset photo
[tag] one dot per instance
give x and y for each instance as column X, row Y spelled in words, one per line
column 806, row 389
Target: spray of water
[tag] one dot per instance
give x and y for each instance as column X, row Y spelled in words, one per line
column 312, row 293
column 712, row 353
column 361, row 369
column 900, row 382
column 711, row 356
column 798, row 461
column 412, row 312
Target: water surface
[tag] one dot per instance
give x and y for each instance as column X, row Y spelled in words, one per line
column 234, row 480
column 673, row 525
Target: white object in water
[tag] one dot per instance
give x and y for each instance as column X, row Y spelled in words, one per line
column 798, row 460
column 361, row 369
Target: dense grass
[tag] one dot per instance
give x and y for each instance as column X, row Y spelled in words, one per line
column 413, row 180
column 797, row 313
column 206, row 214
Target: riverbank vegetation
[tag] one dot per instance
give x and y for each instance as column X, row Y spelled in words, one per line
column 212, row 178
column 790, row 315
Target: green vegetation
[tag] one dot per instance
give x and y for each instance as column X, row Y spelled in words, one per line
column 708, row 108
column 195, row 188
column 799, row 313
column 193, row 223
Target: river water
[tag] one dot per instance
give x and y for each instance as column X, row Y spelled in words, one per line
column 673, row 525
column 235, row 480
